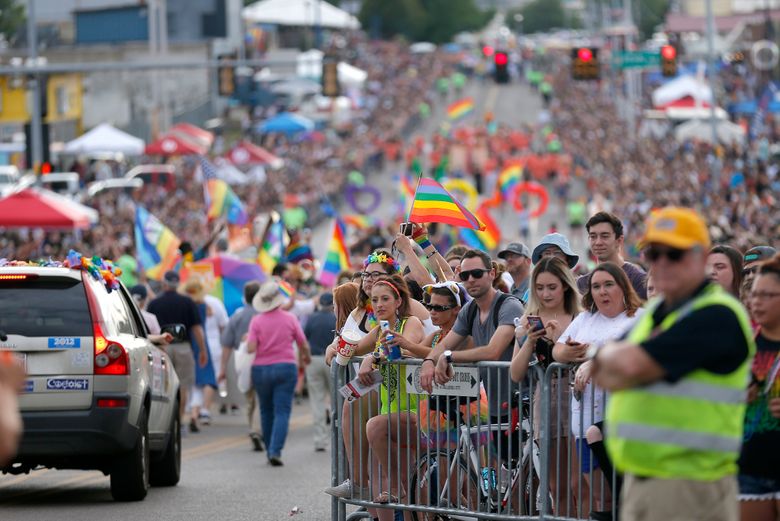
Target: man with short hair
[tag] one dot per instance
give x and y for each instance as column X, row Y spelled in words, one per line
column 232, row 336
column 753, row 257
column 518, row 264
column 675, row 417
column 171, row 307
column 319, row 331
column 605, row 236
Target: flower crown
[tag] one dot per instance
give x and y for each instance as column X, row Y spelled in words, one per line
column 383, row 258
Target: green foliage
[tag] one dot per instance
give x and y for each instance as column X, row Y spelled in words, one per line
column 430, row 20
column 543, row 15
column 12, row 18
column 651, row 13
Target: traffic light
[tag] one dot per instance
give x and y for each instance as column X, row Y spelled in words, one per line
column 487, row 51
column 330, row 77
column 226, row 76
column 585, row 63
column 668, row 61
column 501, row 63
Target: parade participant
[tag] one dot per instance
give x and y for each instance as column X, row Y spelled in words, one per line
column 724, row 266
column 171, row 307
column 140, row 294
column 759, row 461
column 675, row 418
column 554, row 300
column 215, row 323
column 605, row 238
column 236, row 330
column 518, row 264
column 202, row 392
column 319, row 332
column 274, row 371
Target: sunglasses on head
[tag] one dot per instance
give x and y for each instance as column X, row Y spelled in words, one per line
column 477, row 274
column 653, row 254
column 436, row 307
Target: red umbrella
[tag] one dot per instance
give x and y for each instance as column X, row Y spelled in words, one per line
column 193, row 133
column 39, row 208
column 247, row 153
column 174, row 145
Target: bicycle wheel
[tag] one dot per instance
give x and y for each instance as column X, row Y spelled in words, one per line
column 524, row 497
column 428, row 482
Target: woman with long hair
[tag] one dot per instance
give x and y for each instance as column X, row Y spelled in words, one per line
column 345, row 299
column 387, row 433
column 555, row 301
column 759, row 462
column 724, row 266
column 611, row 308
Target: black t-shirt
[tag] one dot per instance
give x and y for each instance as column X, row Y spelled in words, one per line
column 710, row 338
column 761, row 441
column 175, row 308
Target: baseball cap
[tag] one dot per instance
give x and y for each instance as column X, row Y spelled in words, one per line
column 326, row 299
column 139, row 292
column 515, row 247
column 171, row 277
column 759, row 253
column 677, row 227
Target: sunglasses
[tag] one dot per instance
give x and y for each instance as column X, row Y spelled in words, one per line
column 477, row 274
column 436, row 307
column 653, row 254
column 749, row 271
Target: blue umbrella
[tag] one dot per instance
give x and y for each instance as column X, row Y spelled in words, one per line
column 286, row 123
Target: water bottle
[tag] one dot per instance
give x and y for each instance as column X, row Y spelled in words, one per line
column 223, row 389
column 488, row 479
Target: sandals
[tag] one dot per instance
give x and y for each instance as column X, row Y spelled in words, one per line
column 387, row 497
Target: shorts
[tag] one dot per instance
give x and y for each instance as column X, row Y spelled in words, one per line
column 183, row 362
column 754, row 488
column 588, row 461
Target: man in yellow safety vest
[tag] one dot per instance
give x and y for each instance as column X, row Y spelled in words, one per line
column 679, row 378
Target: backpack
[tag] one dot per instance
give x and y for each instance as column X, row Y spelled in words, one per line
column 474, row 309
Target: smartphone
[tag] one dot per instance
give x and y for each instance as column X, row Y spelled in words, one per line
column 407, row 229
column 535, row 322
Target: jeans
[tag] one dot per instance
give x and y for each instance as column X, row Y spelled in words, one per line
column 275, row 386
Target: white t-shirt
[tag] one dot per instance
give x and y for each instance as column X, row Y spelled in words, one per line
column 593, row 328
column 216, row 321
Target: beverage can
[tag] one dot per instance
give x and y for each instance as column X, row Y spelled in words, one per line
column 393, row 351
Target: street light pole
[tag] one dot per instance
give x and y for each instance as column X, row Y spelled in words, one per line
column 711, row 78
column 34, row 84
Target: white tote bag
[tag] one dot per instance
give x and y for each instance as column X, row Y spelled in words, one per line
column 243, row 361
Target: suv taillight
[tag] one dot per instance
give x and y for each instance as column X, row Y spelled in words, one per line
column 110, row 356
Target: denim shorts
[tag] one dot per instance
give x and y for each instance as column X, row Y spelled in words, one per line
column 753, row 488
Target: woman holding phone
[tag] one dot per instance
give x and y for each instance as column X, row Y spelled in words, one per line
column 553, row 303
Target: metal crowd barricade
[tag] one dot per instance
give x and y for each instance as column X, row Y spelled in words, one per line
column 481, row 448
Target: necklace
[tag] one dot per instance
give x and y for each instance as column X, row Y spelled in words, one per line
column 370, row 316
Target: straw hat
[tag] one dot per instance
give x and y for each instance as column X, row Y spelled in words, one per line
column 268, row 297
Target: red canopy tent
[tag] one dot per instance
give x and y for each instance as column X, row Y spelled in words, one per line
column 247, row 153
column 174, row 145
column 190, row 132
column 39, row 208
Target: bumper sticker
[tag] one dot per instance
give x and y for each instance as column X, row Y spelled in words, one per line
column 67, row 384
column 64, row 342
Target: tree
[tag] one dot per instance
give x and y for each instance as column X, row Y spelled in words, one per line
column 541, row 15
column 651, row 14
column 12, row 18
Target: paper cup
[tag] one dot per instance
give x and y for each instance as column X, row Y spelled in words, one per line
column 348, row 341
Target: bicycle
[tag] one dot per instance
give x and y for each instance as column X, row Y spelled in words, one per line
column 477, row 487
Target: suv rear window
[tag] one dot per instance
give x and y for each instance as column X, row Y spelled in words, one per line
column 46, row 306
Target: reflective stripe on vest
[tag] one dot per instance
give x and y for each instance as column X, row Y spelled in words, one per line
column 698, row 391
column 690, row 440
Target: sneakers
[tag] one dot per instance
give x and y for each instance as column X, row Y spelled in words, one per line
column 275, row 461
column 346, row 490
column 257, row 444
column 205, row 418
column 194, row 426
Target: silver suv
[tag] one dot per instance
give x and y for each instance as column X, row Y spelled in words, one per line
column 98, row 394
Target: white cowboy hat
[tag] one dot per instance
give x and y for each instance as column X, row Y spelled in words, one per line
column 268, row 297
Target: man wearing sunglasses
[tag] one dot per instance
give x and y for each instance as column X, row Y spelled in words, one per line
column 674, row 420
column 490, row 325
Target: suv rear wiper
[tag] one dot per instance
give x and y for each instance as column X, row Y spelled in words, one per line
column 3, row 336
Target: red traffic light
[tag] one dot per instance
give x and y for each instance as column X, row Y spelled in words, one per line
column 668, row 52
column 584, row 54
column 487, row 50
column 46, row 168
column 501, row 58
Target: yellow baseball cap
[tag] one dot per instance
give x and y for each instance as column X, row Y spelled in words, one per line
column 680, row 228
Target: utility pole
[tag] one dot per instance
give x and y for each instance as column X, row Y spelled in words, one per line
column 34, row 85
column 630, row 74
column 711, row 78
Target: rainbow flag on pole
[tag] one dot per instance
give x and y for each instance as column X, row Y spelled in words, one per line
column 220, row 198
column 432, row 203
column 487, row 240
column 156, row 246
column 274, row 244
column 460, row 109
column 337, row 258
column 508, row 178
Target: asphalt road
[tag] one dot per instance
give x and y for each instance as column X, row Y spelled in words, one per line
column 222, row 479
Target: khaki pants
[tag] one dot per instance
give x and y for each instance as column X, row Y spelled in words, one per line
column 650, row 499
column 318, row 381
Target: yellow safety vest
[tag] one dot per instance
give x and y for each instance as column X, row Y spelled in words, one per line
column 691, row 429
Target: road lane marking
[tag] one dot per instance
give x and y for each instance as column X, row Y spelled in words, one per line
column 490, row 99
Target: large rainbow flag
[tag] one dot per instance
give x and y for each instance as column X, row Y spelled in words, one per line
column 274, row 243
column 487, row 240
column 221, row 201
column 432, row 203
column 509, row 176
column 156, row 246
column 224, row 277
column 337, row 258
column 460, row 108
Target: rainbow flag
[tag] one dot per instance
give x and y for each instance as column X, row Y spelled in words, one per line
column 362, row 222
column 285, row 288
column 298, row 250
column 487, row 240
column 274, row 244
column 432, row 203
column 508, row 178
column 221, row 201
column 337, row 258
column 156, row 246
column 405, row 194
column 460, row 108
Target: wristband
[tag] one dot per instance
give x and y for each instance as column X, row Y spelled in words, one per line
column 423, row 241
column 428, row 360
column 428, row 256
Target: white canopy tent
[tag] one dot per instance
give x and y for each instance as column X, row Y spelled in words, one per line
column 309, row 65
column 106, row 139
column 302, row 13
column 727, row 132
column 682, row 87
